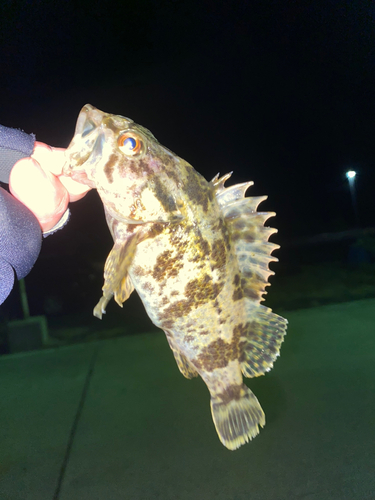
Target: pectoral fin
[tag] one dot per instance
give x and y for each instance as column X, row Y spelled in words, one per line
column 116, row 280
column 124, row 291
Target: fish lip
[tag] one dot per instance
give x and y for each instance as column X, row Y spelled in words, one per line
column 79, row 176
column 82, row 178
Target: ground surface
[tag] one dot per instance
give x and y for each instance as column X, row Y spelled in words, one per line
column 115, row 419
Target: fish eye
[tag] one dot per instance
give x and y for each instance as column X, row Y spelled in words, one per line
column 129, row 144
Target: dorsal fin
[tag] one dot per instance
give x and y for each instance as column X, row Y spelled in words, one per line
column 225, row 195
column 248, row 235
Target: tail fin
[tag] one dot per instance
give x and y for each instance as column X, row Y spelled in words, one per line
column 236, row 416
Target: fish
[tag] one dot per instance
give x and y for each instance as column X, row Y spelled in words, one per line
column 196, row 252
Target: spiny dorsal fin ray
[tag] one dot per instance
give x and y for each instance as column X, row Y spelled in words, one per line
column 242, row 205
column 237, row 192
column 248, row 235
column 264, row 330
column 218, row 182
column 262, row 340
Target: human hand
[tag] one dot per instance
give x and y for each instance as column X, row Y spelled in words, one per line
column 39, row 184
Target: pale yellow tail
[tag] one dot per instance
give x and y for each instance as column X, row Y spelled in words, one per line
column 237, row 419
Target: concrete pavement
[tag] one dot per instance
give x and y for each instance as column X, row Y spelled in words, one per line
column 116, row 420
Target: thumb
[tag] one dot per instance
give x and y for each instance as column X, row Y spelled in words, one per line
column 40, row 191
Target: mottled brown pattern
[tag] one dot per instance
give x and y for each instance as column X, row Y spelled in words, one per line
column 252, row 284
column 198, row 190
column 144, row 167
column 167, row 265
column 139, row 271
column 167, row 323
column 221, row 228
column 201, row 290
column 218, row 309
column 247, row 237
column 239, row 225
column 155, row 230
column 238, row 294
column 197, row 293
column 164, row 301
column 240, row 330
column 205, row 246
column 148, row 287
column 219, row 353
column 132, row 167
column 163, row 261
column 174, row 311
column 203, row 249
column 110, row 167
column 232, row 392
column 164, row 196
column 219, row 254
column 170, row 167
column 199, row 270
column 216, row 355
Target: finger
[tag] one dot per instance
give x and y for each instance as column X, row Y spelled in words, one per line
column 40, row 191
column 53, row 160
column 49, row 158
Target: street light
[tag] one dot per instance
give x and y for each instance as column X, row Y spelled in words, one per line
column 350, row 175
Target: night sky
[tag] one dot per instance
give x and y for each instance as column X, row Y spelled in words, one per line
column 282, row 93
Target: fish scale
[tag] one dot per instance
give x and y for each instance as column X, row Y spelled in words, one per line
column 196, row 252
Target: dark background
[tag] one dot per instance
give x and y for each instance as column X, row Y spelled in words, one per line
column 282, row 93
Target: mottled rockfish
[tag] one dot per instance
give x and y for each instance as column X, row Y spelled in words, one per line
column 196, row 252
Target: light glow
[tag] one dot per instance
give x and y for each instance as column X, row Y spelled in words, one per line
column 350, row 174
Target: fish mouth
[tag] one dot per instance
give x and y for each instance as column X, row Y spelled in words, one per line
column 85, row 150
column 80, row 177
column 77, row 174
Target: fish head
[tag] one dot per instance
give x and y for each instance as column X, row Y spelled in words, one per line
column 136, row 177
